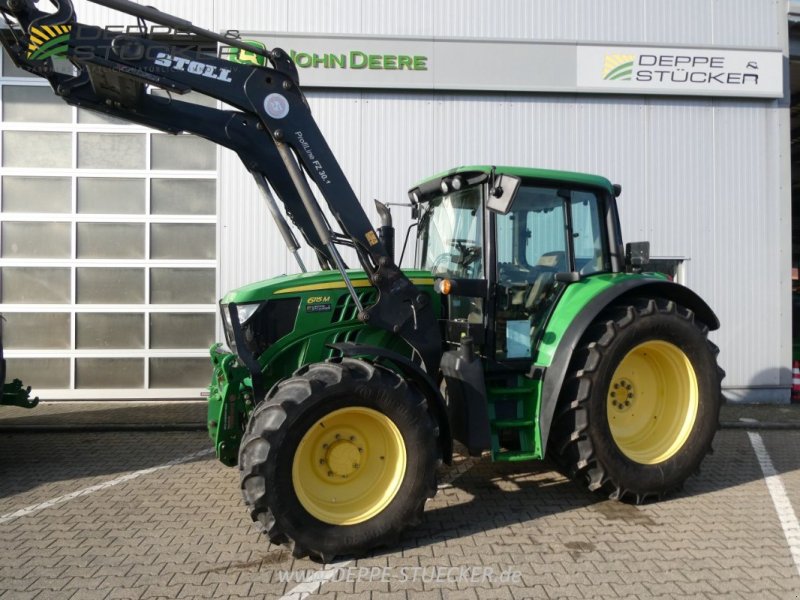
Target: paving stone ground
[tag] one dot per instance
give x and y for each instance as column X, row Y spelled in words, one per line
column 181, row 532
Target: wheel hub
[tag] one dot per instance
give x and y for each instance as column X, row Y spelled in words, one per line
column 622, row 395
column 349, row 465
column 652, row 402
column 342, row 457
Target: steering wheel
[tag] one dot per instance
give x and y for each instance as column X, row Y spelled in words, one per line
column 440, row 262
column 468, row 253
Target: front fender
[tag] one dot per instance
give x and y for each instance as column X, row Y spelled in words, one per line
column 625, row 286
column 412, row 371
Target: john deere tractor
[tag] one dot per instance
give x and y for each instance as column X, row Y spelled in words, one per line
column 526, row 329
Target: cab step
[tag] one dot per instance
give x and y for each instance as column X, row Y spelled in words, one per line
column 514, row 456
column 512, row 423
column 512, row 418
column 501, row 391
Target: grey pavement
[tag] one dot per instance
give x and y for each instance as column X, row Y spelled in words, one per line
column 188, row 414
column 498, row 531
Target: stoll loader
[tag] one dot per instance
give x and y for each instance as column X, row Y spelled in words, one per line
column 526, row 329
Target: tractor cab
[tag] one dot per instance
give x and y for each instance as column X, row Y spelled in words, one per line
column 501, row 267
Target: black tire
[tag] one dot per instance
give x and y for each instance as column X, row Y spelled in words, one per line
column 277, row 427
column 582, row 443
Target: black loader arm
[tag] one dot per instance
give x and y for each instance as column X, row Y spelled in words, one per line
column 272, row 130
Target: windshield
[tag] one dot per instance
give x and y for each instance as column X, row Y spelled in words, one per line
column 450, row 238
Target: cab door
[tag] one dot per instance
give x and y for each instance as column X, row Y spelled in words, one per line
column 549, row 230
column 451, row 245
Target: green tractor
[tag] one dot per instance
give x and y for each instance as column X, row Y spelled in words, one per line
column 526, row 329
column 554, row 344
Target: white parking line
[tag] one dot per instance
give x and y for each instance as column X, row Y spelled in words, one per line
column 786, row 514
column 305, row 589
column 34, row 508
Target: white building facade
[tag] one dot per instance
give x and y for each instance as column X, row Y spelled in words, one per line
column 111, row 268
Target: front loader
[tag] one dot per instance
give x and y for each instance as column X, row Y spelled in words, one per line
column 526, row 329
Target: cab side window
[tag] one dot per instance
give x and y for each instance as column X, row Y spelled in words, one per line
column 587, row 234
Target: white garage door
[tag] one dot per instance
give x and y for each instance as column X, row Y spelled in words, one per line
column 107, row 251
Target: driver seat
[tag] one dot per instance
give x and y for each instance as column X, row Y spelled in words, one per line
column 552, row 263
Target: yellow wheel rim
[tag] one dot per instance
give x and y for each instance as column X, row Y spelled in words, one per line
column 652, row 402
column 349, row 466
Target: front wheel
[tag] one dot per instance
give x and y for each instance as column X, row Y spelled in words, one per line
column 339, row 459
column 640, row 406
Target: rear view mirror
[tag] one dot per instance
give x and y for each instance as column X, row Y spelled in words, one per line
column 502, row 194
column 637, row 255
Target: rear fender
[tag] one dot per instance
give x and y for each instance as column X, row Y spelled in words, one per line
column 638, row 287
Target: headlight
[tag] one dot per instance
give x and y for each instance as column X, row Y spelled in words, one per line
column 245, row 311
column 260, row 324
column 227, row 326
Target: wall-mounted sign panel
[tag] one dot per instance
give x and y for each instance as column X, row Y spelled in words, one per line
column 370, row 62
column 643, row 70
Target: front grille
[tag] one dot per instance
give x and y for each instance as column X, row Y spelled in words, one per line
column 350, row 335
column 272, row 320
column 346, row 309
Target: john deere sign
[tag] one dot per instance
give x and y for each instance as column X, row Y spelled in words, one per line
column 519, row 66
column 355, row 59
column 350, row 62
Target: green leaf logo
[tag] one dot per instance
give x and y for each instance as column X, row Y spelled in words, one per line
column 618, row 67
column 48, row 41
column 243, row 57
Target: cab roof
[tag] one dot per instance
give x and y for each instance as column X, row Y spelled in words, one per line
column 547, row 175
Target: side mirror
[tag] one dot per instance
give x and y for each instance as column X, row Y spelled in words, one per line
column 502, row 193
column 637, row 255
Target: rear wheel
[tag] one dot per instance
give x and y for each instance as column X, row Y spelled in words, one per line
column 339, row 459
column 640, row 406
